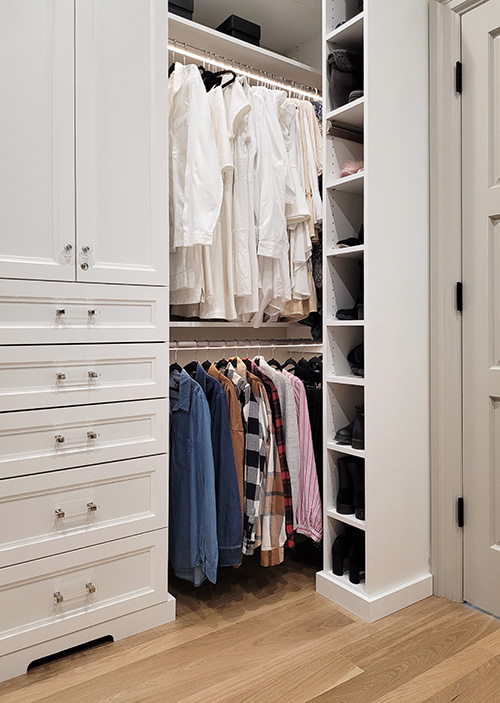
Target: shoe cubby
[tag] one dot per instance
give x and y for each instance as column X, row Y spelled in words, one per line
column 347, row 556
column 342, row 402
column 338, row 344
column 343, row 11
column 340, row 152
column 336, row 463
column 344, row 287
column 343, row 219
column 373, row 129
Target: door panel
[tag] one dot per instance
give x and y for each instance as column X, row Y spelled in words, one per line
column 481, row 318
column 37, row 214
column 121, row 137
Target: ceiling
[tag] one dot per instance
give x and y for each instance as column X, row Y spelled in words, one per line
column 284, row 23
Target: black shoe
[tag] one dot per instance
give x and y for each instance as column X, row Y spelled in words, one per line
column 358, row 431
column 356, row 95
column 345, row 494
column 344, row 435
column 357, row 473
column 356, row 556
column 356, row 359
column 340, row 552
column 356, row 312
column 353, row 241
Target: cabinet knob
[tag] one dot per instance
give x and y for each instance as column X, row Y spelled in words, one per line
column 92, row 313
column 59, row 513
column 86, row 249
column 60, row 311
column 68, row 248
column 60, row 439
column 90, row 587
column 61, row 376
column 84, row 266
column 92, row 507
column 58, row 597
column 93, row 374
column 92, row 435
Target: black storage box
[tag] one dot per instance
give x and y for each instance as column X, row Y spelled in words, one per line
column 184, row 8
column 242, row 29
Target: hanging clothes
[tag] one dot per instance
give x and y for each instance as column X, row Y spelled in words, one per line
column 193, row 546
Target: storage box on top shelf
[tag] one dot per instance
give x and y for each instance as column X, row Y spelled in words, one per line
column 184, row 8
column 242, row 29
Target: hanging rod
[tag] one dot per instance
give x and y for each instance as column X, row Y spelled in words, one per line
column 209, row 345
column 243, row 70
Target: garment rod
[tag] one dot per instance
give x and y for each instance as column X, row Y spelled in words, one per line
column 244, row 70
column 245, row 344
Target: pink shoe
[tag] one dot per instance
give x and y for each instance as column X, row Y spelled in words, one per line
column 351, row 167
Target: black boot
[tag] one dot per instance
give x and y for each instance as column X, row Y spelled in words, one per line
column 344, row 435
column 356, row 312
column 357, row 474
column 358, row 432
column 343, row 70
column 340, row 551
column 356, row 359
column 345, row 494
column 356, row 556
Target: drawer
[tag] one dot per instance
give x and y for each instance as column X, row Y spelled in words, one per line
column 47, row 312
column 47, row 598
column 64, row 374
column 62, row 438
column 55, row 512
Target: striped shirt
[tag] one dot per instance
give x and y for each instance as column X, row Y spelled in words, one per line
column 309, row 511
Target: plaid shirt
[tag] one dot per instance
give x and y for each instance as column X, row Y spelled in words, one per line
column 255, row 458
column 272, row 499
column 274, row 402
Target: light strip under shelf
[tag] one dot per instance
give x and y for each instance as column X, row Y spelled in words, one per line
column 248, row 74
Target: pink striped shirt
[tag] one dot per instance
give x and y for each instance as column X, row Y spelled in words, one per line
column 309, row 511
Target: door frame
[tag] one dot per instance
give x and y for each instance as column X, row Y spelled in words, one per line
column 445, row 271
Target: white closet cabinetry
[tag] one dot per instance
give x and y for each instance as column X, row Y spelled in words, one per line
column 93, row 71
column 83, row 361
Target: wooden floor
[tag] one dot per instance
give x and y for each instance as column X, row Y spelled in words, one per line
column 265, row 636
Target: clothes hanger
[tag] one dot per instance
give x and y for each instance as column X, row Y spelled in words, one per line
column 290, row 361
column 175, row 366
column 274, row 362
column 222, row 364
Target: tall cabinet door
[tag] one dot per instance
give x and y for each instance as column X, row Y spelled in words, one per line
column 121, row 141
column 37, row 212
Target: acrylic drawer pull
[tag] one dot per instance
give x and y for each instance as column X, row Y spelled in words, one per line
column 60, row 312
column 91, row 508
column 89, row 587
column 92, row 435
column 93, row 374
column 61, row 376
column 92, row 313
column 60, row 439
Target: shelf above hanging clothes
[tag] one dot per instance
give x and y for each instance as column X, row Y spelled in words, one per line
column 192, row 34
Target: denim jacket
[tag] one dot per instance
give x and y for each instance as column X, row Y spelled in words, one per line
column 192, row 527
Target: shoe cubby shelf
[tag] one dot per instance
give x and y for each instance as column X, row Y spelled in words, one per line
column 349, row 184
column 349, row 35
column 351, row 115
column 346, row 380
column 345, row 323
column 345, row 449
column 389, row 271
column 346, row 519
column 347, row 252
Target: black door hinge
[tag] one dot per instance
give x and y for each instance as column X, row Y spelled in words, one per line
column 460, row 512
column 458, row 76
column 460, row 297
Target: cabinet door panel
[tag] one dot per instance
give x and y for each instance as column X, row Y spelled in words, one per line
column 37, row 212
column 121, row 136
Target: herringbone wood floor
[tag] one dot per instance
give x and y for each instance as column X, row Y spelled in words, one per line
column 265, row 636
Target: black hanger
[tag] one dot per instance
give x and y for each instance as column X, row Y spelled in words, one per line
column 290, row 362
column 211, row 79
column 175, row 367
column 206, row 365
column 275, row 364
column 171, row 69
column 191, row 368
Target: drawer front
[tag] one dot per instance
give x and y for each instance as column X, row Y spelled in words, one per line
column 57, row 375
column 62, row 438
column 44, row 312
column 50, row 597
column 55, row 512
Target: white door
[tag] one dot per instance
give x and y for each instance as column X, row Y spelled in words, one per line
column 121, row 141
column 37, row 215
column 481, row 318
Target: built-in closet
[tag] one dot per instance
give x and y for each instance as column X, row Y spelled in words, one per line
column 86, row 337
